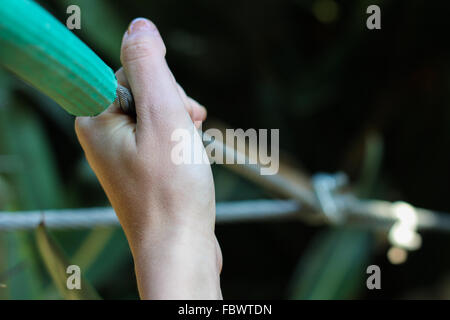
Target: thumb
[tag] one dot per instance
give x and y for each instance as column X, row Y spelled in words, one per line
column 156, row 95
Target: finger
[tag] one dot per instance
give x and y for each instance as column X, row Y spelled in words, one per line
column 195, row 109
column 199, row 111
column 186, row 101
column 143, row 58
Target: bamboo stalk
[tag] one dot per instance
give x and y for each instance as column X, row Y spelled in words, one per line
column 43, row 52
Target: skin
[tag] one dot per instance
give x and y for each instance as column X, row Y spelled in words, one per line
column 166, row 210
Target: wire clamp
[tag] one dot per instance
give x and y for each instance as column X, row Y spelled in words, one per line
column 326, row 186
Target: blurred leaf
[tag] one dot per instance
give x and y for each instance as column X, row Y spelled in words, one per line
column 92, row 246
column 107, row 36
column 57, row 264
column 25, row 282
column 21, row 137
column 334, row 265
column 108, row 262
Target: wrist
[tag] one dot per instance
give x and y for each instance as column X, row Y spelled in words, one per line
column 177, row 264
column 163, row 236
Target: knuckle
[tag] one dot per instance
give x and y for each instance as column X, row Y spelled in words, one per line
column 80, row 124
column 82, row 127
column 138, row 48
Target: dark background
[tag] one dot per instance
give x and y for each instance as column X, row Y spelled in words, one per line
column 372, row 103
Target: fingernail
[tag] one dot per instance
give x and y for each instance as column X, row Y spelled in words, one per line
column 139, row 24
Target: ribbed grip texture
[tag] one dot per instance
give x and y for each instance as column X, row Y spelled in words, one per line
column 42, row 51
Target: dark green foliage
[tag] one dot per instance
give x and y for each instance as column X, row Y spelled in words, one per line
column 57, row 265
column 374, row 104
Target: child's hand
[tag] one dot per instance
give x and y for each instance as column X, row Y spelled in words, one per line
column 166, row 210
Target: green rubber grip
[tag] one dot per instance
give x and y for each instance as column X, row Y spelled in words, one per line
column 42, row 51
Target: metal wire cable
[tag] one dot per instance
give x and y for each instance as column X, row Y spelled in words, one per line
column 251, row 210
column 373, row 214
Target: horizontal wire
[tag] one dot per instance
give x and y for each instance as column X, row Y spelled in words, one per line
column 303, row 205
column 226, row 212
column 372, row 214
column 382, row 214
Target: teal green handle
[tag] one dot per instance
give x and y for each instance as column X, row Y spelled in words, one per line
column 42, row 51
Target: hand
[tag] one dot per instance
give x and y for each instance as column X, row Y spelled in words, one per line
column 166, row 210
